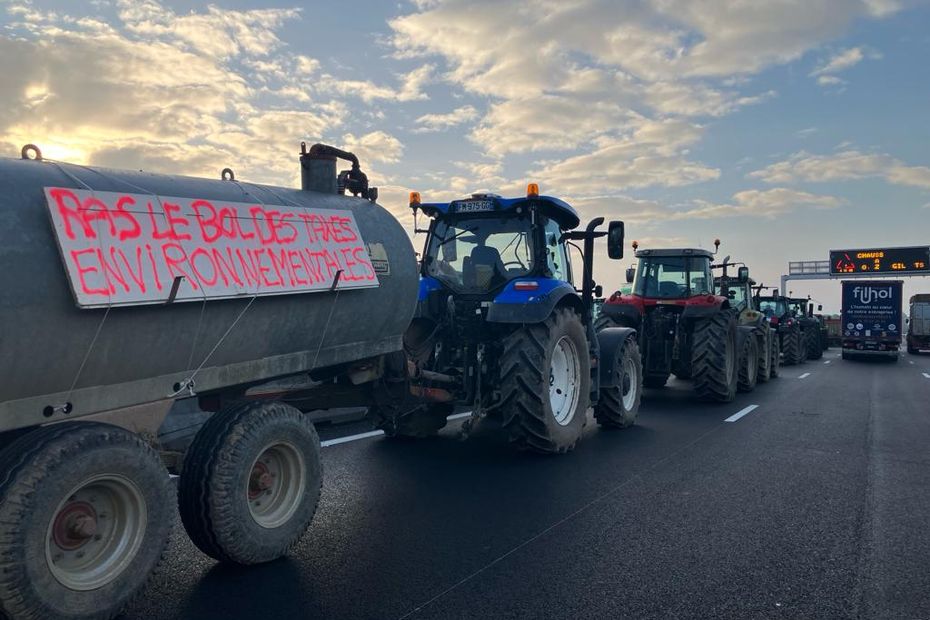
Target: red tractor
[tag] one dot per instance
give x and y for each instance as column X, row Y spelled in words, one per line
column 683, row 326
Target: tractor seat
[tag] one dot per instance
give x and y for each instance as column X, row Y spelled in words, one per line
column 484, row 265
column 669, row 289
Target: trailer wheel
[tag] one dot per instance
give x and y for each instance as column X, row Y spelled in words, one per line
column 715, row 357
column 251, row 482
column 618, row 405
column 85, row 516
column 545, row 383
column 748, row 362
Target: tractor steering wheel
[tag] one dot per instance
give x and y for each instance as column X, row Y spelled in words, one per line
column 515, row 262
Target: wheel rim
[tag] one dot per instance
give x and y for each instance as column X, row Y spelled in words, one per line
column 564, row 371
column 630, row 385
column 96, row 532
column 276, row 484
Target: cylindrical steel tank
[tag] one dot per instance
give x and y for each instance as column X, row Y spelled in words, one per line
column 59, row 360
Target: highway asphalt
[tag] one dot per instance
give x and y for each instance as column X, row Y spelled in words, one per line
column 813, row 504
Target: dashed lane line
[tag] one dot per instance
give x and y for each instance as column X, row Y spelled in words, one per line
column 925, row 375
column 736, row 416
column 805, row 375
column 827, row 362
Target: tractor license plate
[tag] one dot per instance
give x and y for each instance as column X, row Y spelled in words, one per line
column 474, row 206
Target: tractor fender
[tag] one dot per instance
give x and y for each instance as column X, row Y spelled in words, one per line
column 623, row 313
column 610, row 339
column 532, row 306
column 704, row 310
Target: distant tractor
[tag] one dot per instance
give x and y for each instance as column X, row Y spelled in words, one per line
column 918, row 327
column 684, row 327
column 758, row 341
column 501, row 328
column 778, row 310
column 813, row 331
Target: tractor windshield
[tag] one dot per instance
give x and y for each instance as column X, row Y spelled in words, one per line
column 673, row 277
column 473, row 255
column 773, row 307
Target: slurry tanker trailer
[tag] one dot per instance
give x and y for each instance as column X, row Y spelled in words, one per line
column 124, row 291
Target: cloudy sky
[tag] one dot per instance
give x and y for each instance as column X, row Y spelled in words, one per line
column 784, row 127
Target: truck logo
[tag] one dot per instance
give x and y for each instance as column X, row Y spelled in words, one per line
column 868, row 294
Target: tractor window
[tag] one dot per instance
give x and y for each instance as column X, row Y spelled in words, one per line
column 556, row 255
column 673, row 277
column 479, row 254
column 770, row 307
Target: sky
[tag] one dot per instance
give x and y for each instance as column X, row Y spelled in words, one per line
column 785, row 128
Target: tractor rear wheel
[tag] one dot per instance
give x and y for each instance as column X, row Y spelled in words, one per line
column 791, row 346
column 775, row 352
column 546, row 383
column 748, row 362
column 764, row 341
column 715, row 357
column 814, row 347
column 618, row 405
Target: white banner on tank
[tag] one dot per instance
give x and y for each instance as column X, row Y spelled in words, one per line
column 131, row 249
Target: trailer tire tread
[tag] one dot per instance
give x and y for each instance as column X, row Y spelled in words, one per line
column 711, row 341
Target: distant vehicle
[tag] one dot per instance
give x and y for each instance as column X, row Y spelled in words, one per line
column 790, row 336
column 872, row 317
column 918, row 329
column 834, row 324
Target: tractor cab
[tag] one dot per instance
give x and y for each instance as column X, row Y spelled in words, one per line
column 672, row 274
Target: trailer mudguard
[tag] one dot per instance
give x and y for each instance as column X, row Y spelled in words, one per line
column 514, row 305
column 610, row 339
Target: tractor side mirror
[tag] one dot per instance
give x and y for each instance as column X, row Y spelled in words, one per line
column 630, row 274
column 819, row 307
column 743, row 275
column 598, row 291
column 615, row 240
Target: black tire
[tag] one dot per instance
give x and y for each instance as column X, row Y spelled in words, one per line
column 525, row 365
column 655, row 380
column 911, row 350
column 764, row 343
column 775, row 356
column 791, row 346
column 814, row 348
column 215, row 493
column 603, row 322
column 56, row 472
column 748, row 373
column 715, row 357
column 847, row 356
column 617, row 406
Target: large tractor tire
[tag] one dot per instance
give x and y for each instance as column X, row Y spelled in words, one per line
column 775, row 352
column 85, row 516
column 764, row 343
column 545, row 383
column 251, row 482
column 618, row 405
column 715, row 356
column 748, row 361
column 814, row 346
column 791, row 346
column 655, row 380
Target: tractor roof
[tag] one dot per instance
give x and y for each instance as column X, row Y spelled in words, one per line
column 478, row 204
column 675, row 252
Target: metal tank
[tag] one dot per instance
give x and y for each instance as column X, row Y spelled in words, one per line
column 65, row 353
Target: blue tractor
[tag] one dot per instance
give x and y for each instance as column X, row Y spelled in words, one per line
column 501, row 328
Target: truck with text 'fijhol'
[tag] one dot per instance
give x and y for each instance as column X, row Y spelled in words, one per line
column 872, row 319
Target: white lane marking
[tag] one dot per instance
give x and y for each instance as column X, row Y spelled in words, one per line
column 348, row 438
column 736, row 416
column 911, row 363
column 805, row 375
column 827, row 362
column 926, row 375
